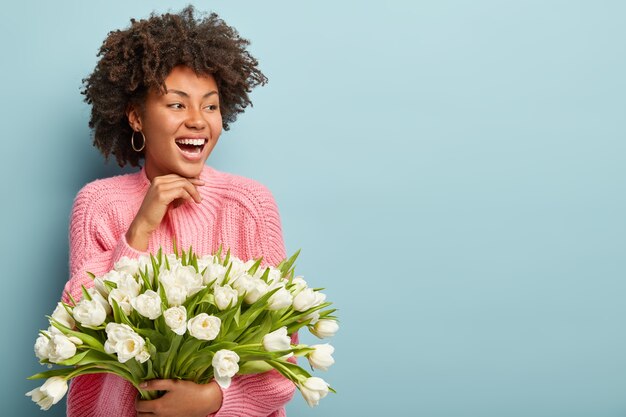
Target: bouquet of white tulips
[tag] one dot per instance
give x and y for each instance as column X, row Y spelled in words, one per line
column 187, row 317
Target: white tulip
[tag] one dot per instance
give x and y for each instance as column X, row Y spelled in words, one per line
column 131, row 347
column 188, row 276
column 274, row 275
column 89, row 313
column 176, row 319
column 205, row 261
column 142, row 356
column 60, row 348
column 325, row 328
column 50, row 393
column 214, row 273
column 298, row 284
column 180, row 282
column 122, row 280
column 225, row 366
column 42, row 347
column 95, row 294
column 237, row 268
column 321, row 358
column 127, row 265
column 117, row 332
column 61, row 315
column 313, row 317
column 204, row 327
column 176, row 294
column 277, row 340
column 307, row 299
column 225, row 296
column 280, row 299
column 122, row 297
column 253, row 288
column 123, row 341
column 313, row 389
column 147, row 304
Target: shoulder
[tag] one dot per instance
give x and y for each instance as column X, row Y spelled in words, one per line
column 101, row 193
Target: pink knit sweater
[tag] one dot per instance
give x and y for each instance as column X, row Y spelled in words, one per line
column 236, row 212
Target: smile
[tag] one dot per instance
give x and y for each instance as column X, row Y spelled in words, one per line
column 191, row 147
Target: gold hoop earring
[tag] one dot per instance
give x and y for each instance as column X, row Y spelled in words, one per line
column 132, row 141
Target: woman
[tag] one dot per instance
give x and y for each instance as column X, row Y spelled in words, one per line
column 162, row 91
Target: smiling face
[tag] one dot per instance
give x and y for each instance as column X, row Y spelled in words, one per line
column 181, row 127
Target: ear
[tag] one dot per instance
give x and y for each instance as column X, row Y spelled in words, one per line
column 134, row 118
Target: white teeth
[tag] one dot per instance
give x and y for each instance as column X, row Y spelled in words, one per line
column 194, row 142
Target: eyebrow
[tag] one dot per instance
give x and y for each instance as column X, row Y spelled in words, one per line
column 183, row 94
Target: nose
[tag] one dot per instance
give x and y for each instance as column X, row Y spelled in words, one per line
column 195, row 119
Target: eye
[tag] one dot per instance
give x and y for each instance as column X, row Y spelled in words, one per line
column 212, row 107
column 175, row 105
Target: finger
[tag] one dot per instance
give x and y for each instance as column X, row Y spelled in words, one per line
column 196, row 181
column 166, row 197
column 175, row 177
column 158, row 385
column 179, row 196
column 191, row 189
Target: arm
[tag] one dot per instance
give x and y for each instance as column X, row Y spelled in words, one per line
column 94, row 246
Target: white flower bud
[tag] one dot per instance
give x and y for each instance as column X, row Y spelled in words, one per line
column 277, row 340
column 225, row 296
column 313, row 389
column 204, row 327
column 89, row 313
column 147, row 304
column 321, row 358
column 176, row 319
column 225, row 365
column 325, row 328
column 50, row 393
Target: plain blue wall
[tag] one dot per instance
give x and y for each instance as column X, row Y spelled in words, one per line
column 454, row 171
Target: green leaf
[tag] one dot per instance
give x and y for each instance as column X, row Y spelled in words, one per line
column 254, row 367
column 86, row 339
column 71, row 298
column 227, row 259
column 174, row 248
column 160, row 341
column 85, row 293
column 145, row 278
column 227, row 275
column 252, row 270
column 286, row 266
column 51, row 373
column 74, row 359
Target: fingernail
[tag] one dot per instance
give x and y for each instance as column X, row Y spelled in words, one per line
column 143, row 385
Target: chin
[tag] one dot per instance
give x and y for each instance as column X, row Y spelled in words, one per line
column 192, row 171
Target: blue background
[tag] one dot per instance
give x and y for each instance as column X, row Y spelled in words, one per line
column 454, row 171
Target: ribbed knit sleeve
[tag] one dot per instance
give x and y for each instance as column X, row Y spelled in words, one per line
column 95, row 242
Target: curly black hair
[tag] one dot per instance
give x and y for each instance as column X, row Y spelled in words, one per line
column 139, row 58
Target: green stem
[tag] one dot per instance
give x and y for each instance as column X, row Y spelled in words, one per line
column 149, row 395
column 167, row 369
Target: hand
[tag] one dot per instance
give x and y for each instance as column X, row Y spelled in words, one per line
column 163, row 191
column 182, row 399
